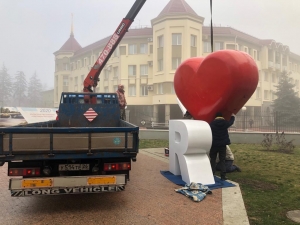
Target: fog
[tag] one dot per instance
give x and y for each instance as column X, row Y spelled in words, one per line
column 32, row 30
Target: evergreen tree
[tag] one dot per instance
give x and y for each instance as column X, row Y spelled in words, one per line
column 287, row 103
column 5, row 87
column 34, row 91
column 20, row 89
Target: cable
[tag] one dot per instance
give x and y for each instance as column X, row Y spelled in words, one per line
column 211, row 28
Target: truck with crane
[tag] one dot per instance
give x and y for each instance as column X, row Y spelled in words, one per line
column 88, row 149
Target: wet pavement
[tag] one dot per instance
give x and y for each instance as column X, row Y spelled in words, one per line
column 149, row 198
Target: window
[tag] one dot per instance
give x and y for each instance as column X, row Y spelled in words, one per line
column 122, row 50
column 131, row 70
column 246, row 49
column 92, row 60
column 266, row 94
column 193, row 40
column 66, row 66
column 116, row 52
column 250, row 51
column 78, row 64
column 84, row 62
column 270, row 55
column 144, row 70
column 218, row 46
column 176, row 39
column 206, row 47
column 106, row 89
column 106, row 74
column 144, row 90
column 273, row 95
column 115, row 87
column 258, row 52
column 160, row 41
column 151, row 49
column 277, row 57
column 132, row 49
column 65, row 81
column 116, row 72
column 76, row 81
column 266, row 77
column 172, row 89
column 254, row 54
column 131, row 90
column 231, row 46
column 143, row 48
column 258, row 92
column 273, row 78
column 82, row 78
column 160, row 89
column 160, row 65
column 175, row 63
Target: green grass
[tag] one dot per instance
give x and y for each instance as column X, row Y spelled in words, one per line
column 269, row 181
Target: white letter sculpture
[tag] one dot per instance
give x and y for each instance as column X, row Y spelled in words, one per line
column 189, row 144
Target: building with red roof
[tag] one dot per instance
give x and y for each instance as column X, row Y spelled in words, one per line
column 146, row 60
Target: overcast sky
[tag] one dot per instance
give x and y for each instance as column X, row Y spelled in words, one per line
column 31, row 30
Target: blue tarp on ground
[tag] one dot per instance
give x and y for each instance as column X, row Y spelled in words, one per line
column 176, row 179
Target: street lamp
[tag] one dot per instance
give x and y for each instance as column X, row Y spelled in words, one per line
column 244, row 117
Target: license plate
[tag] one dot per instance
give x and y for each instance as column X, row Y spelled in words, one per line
column 37, row 183
column 101, row 180
column 73, row 167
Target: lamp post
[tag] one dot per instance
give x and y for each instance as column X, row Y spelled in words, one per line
column 244, row 118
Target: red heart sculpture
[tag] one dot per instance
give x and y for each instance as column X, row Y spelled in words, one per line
column 223, row 82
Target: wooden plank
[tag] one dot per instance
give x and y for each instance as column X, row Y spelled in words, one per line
column 65, row 142
column 27, row 142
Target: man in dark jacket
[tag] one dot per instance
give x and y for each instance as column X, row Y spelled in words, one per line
column 220, row 138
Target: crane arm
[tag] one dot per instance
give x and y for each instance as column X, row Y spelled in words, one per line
column 92, row 78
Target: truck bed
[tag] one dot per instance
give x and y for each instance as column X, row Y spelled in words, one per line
column 47, row 140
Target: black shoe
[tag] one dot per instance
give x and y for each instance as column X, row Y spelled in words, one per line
column 238, row 169
column 224, row 178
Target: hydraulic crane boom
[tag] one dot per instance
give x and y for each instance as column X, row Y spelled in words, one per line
column 92, row 78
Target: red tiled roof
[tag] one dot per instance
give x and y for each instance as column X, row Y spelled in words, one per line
column 177, row 7
column 229, row 31
column 71, row 45
column 218, row 31
column 147, row 32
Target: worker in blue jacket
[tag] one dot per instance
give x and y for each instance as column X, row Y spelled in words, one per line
column 220, row 138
